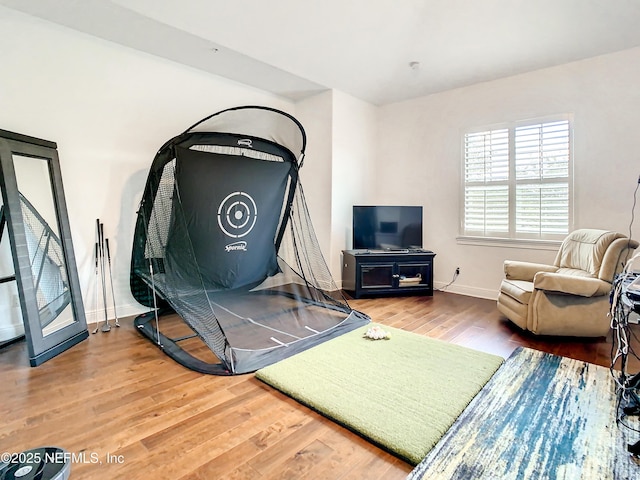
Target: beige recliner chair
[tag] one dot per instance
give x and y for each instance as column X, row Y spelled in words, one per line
column 570, row 297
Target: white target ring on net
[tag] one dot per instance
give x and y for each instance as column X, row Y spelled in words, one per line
column 237, row 214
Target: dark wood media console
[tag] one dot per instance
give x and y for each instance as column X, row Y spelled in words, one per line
column 382, row 272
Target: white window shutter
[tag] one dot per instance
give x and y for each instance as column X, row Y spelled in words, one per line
column 528, row 165
column 486, row 196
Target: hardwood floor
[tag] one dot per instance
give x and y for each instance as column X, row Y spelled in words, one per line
column 125, row 410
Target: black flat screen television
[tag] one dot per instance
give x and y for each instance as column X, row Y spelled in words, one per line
column 387, row 227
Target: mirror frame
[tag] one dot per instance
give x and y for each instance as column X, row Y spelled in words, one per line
column 41, row 348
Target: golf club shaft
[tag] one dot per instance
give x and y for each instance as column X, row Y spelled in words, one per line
column 113, row 293
column 100, row 226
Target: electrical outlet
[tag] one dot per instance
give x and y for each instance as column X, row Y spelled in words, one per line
column 457, row 270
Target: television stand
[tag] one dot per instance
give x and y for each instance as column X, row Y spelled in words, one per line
column 387, row 272
column 381, row 251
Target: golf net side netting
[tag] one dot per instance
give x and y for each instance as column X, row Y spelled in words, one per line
column 224, row 237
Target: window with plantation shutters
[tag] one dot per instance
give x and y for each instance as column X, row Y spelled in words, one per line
column 517, row 181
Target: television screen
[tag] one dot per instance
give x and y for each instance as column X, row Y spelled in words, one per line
column 387, row 227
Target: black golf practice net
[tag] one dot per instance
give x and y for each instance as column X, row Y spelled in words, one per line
column 224, row 238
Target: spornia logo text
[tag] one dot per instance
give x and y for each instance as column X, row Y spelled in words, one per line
column 237, row 246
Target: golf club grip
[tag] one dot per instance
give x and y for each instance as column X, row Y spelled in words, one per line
column 97, row 253
column 106, row 246
column 98, row 239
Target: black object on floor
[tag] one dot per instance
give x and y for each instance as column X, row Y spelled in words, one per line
column 46, row 463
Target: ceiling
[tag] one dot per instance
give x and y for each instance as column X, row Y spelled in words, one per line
column 380, row 51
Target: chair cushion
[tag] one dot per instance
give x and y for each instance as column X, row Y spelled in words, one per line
column 584, row 249
column 519, row 290
column 574, row 272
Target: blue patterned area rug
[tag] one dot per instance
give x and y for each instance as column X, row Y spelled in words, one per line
column 541, row 417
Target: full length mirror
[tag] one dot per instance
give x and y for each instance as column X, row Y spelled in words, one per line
column 42, row 253
column 48, row 266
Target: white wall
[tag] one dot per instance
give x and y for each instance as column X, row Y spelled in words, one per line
column 109, row 109
column 354, row 159
column 420, row 154
column 316, row 114
column 339, row 167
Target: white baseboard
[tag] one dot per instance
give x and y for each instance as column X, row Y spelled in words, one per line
column 11, row 331
column 123, row 311
column 489, row 294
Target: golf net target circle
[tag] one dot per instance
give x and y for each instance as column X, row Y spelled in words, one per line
column 237, row 214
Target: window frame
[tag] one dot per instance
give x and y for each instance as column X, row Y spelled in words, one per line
column 512, row 238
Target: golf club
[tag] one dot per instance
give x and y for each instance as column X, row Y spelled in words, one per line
column 113, row 293
column 106, row 327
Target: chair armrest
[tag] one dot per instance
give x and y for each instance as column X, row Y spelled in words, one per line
column 516, row 270
column 570, row 284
